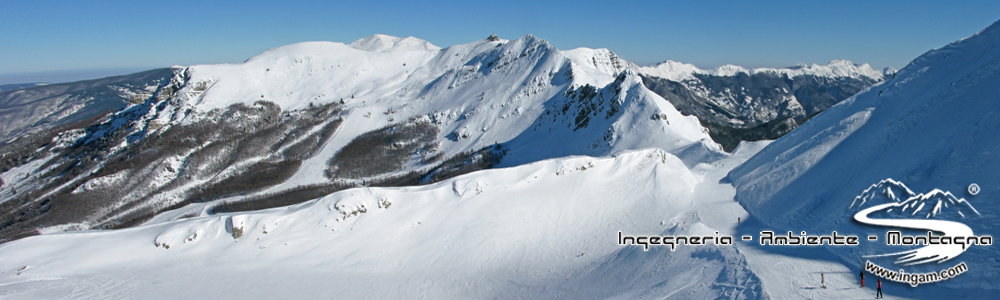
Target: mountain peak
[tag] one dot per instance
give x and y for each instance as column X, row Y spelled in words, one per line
column 529, row 39
column 888, row 72
column 671, row 70
column 384, row 43
column 728, row 70
column 835, row 68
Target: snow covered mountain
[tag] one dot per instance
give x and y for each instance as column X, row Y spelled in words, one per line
column 931, row 126
column 738, row 104
column 298, row 122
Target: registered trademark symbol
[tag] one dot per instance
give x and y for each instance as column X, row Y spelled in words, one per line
column 973, row 189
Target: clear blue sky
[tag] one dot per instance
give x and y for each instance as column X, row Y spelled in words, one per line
column 120, row 36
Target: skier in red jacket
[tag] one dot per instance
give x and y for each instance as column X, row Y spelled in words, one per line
column 879, row 293
column 862, row 278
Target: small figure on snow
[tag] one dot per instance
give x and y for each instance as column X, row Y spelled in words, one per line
column 878, row 294
column 862, row 275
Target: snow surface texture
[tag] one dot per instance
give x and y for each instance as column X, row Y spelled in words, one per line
column 933, row 127
column 542, row 230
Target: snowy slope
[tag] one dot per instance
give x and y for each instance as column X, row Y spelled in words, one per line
column 542, row 230
column 931, row 127
column 382, row 43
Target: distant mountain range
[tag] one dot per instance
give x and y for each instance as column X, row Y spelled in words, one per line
column 32, row 108
column 18, row 86
column 738, row 104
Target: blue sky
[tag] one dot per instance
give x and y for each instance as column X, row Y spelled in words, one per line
column 70, row 37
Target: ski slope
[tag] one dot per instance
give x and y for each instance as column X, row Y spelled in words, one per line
column 933, row 127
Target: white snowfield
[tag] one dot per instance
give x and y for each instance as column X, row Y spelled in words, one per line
column 546, row 225
column 542, row 230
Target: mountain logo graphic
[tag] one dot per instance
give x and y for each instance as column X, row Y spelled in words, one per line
column 890, row 203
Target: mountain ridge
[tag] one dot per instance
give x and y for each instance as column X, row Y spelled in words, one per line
column 678, row 71
column 738, row 104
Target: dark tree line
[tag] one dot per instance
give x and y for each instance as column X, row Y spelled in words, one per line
column 462, row 163
column 385, row 150
column 269, row 144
